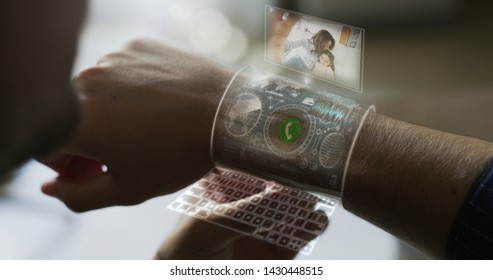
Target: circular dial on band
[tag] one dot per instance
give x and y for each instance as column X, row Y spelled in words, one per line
column 288, row 130
column 243, row 114
column 332, row 149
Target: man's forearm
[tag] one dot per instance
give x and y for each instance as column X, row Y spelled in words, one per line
column 411, row 181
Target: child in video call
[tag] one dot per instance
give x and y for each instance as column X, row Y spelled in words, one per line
column 325, row 66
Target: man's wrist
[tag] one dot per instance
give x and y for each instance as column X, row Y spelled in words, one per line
column 410, row 180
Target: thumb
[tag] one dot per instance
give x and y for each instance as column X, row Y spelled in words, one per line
column 84, row 194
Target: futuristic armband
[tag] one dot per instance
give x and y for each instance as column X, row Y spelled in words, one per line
column 276, row 128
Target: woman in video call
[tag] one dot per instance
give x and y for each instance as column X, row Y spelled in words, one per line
column 301, row 54
column 310, row 52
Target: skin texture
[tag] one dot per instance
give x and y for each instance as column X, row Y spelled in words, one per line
column 146, row 114
column 411, row 181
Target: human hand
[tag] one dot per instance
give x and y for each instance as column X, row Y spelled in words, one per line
column 199, row 239
column 146, row 114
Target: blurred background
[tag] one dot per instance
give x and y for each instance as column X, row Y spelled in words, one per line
column 425, row 61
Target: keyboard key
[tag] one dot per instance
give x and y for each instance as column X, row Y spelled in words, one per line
column 245, row 195
column 299, row 222
column 267, row 224
column 242, row 205
column 257, row 221
column 314, row 227
column 224, row 181
column 260, row 210
column 220, row 209
column 183, row 207
column 289, row 219
column 203, row 203
column 175, row 205
column 192, row 210
column 273, row 237
column 279, row 216
column 255, row 199
column 257, row 190
column 202, row 214
column 239, row 214
column 251, row 181
column 305, row 235
column 303, row 213
column 216, row 197
column 303, row 203
column 295, row 192
column 262, row 234
column 287, row 230
column 224, row 199
column 293, row 210
column 277, row 227
column 190, row 199
column 313, row 216
column 284, row 241
column 197, row 191
column 215, row 179
column 294, row 247
column 248, row 217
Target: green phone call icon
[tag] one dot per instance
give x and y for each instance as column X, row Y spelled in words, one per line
column 289, row 130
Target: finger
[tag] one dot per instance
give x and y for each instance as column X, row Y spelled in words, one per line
column 74, row 166
column 86, row 194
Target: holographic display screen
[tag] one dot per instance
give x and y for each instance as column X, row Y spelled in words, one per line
column 327, row 50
